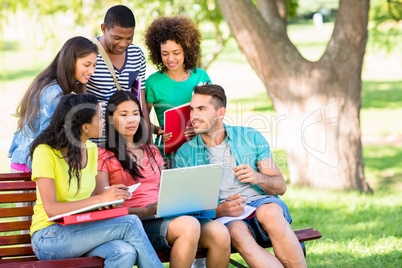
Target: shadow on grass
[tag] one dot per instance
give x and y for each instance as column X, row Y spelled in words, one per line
column 352, row 232
column 384, row 162
column 380, row 95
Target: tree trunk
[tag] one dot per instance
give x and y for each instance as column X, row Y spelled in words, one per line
column 321, row 100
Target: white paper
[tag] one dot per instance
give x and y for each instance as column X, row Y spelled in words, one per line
column 248, row 210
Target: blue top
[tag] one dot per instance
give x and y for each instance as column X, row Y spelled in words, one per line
column 48, row 100
column 247, row 145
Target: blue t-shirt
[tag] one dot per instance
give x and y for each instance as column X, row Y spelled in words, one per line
column 247, row 145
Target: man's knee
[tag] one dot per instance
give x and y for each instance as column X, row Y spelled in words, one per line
column 271, row 217
column 270, row 212
column 238, row 231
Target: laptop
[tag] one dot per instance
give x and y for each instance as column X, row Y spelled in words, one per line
column 187, row 191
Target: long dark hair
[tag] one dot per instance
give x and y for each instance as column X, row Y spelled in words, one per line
column 65, row 129
column 61, row 71
column 116, row 142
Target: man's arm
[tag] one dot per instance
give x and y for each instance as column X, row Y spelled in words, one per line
column 269, row 178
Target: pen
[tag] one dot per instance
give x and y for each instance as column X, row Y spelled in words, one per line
column 160, row 138
column 122, row 188
column 228, row 199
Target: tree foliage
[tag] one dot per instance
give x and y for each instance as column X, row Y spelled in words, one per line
column 385, row 27
column 89, row 14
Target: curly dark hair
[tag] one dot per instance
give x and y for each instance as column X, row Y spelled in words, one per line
column 65, row 129
column 180, row 29
column 117, row 144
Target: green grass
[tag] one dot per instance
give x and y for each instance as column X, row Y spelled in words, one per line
column 382, row 94
column 359, row 230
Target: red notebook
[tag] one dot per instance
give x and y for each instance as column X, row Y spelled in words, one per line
column 92, row 216
column 176, row 121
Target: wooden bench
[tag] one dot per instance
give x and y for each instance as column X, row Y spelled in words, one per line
column 15, row 248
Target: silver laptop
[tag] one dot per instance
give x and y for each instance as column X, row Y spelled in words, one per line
column 188, row 190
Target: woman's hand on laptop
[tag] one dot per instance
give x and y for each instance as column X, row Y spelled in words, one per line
column 233, row 206
column 143, row 211
column 151, row 209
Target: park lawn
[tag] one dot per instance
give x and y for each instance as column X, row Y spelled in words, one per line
column 359, row 230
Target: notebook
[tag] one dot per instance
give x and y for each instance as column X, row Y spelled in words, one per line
column 190, row 190
column 176, row 121
column 86, row 209
column 92, row 216
column 131, row 189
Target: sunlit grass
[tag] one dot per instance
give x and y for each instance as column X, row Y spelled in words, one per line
column 358, row 230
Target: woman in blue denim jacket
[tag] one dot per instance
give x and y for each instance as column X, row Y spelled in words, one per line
column 69, row 72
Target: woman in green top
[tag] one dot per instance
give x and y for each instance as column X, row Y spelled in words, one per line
column 174, row 49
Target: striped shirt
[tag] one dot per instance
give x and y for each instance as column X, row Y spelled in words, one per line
column 101, row 83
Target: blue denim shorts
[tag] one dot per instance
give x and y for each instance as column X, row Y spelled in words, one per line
column 156, row 231
column 255, row 227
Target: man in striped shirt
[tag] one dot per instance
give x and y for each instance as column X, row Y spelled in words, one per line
column 128, row 60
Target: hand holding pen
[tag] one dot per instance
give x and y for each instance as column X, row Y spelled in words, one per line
column 114, row 192
column 162, row 136
column 233, row 206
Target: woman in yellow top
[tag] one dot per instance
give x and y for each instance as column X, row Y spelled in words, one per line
column 64, row 166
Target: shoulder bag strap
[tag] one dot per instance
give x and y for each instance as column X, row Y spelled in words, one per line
column 107, row 61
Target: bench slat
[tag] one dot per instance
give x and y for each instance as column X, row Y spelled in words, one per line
column 17, row 185
column 15, row 212
column 16, row 251
column 19, row 260
column 15, row 226
column 307, row 234
column 64, row 263
column 26, row 176
column 17, row 197
column 15, row 239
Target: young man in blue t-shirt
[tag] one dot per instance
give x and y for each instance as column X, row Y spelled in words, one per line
column 250, row 176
